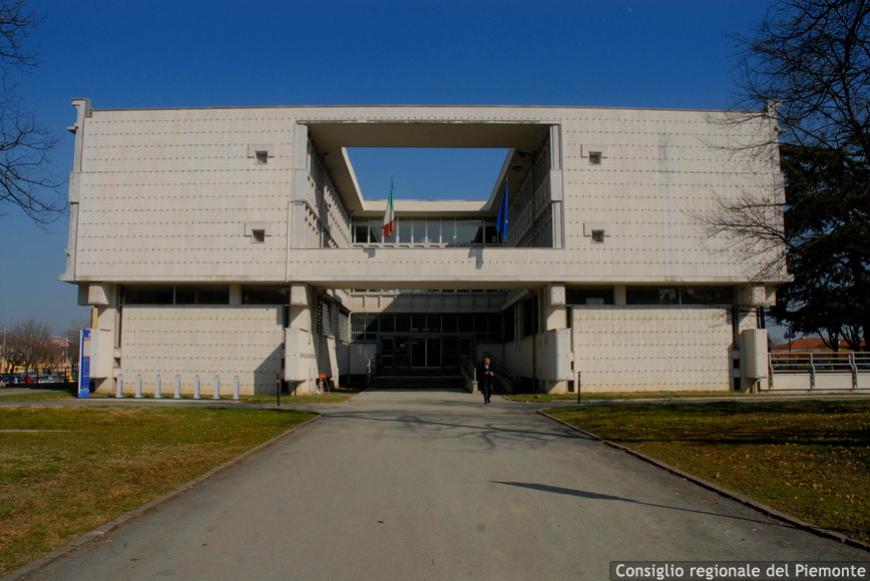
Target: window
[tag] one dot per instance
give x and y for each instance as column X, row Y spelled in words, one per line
column 178, row 295
column 530, row 316
column 651, row 296
column 598, row 236
column 594, row 158
column 264, row 295
column 589, row 296
column 694, row 295
column 706, row 295
column 406, row 229
column 148, row 295
column 364, row 327
column 202, row 295
column 262, row 157
column 258, row 236
column 508, row 323
column 360, row 233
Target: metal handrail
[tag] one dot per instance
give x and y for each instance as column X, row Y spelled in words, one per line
column 371, row 368
column 468, row 368
column 810, row 362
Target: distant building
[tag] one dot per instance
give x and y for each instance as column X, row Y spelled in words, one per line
column 810, row 345
column 235, row 242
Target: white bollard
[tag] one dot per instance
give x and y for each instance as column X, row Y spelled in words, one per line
column 236, row 390
column 119, row 386
column 217, row 387
column 138, row 394
column 196, row 387
column 158, row 387
column 177, row 394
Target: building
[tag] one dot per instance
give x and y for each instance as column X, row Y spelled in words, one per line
column 235, row 242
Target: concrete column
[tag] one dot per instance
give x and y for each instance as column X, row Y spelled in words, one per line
column 555, row 317
column 235, row 294
column 619, row 295
column 104, row 301
column 301, row 366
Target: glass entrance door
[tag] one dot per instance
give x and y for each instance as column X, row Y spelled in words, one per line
column 426, row 352
column 394, row 352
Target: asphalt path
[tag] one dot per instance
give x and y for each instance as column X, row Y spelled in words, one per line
column 434, row 485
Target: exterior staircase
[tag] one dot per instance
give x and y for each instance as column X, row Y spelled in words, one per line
column 443, row 382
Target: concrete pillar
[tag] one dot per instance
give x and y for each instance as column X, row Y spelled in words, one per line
column 235, row 294
column 555, row 317
column 555, row 309
column 301, row 364
column 103, row 300
column 619, row 295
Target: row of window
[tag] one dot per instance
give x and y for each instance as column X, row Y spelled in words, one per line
column 653, row 295
column 200, row 295
column 423, row 291
column 269, row 295
column 484, row 326
column 427, row 231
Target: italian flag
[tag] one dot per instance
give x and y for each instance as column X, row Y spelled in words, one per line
column 389, row 224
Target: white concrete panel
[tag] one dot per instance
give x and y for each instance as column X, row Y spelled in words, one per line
column 164, row 194
column 652, row 348
column 227, row 341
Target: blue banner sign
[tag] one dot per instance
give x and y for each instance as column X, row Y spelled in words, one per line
column 85, row 363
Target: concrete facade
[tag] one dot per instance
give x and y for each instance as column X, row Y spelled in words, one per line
column 241, row 198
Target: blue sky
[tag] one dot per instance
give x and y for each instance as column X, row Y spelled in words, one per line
column 168, row 53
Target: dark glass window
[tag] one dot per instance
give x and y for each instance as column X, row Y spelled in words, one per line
column 264, row 295
column 403, row 323
column 530, row 316
column 706, row 295
column 148, row 295
column 466, row 231
column 360, row 233
column 478, row 233
column 450, row 323
column 363, row 327
column 388, row 323
column 405, row 228
column 590, row 296
column 508, row 323
column 490, row 233
column 185, row 295
column 202, row 295
column 651, row 295
column 694, row 295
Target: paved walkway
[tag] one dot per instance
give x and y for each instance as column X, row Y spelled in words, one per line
column 432, row 485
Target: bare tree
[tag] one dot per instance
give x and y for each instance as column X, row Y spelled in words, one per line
column 807, row 69
column 29, row 344
column 26, row 178
column 71, row 336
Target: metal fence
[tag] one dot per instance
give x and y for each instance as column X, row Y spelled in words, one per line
column 834, row 370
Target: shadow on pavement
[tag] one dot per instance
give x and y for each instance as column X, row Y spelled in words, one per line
column 598, row 496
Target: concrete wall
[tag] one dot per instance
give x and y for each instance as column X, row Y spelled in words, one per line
column 545, row 356
column 170, row 195
column 246, row 341
column 653, row 348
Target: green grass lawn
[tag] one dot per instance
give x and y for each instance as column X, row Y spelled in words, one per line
column 64, row 471
column 810, row 459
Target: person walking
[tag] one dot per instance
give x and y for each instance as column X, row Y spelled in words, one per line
column 485, row 375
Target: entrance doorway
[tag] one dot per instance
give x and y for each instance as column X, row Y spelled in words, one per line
column 425, row 343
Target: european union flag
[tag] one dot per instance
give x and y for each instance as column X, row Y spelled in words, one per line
column 501, row 223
